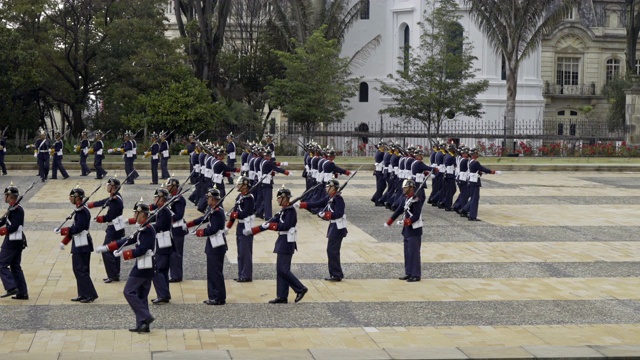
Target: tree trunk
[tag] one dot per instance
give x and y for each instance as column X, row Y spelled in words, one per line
column 78, row 124
column 510, row 110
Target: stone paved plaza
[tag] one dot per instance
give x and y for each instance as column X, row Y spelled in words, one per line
column 552, row 270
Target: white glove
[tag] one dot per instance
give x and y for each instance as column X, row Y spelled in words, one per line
column 291, row 173
column 110, row 151
column 247, row 232
column 386, row 225
column 432, row 175
column 102, row 249
column 56, row 230
column 265, row 225
column 226, row 230
column 321, row 214
column 296, row 205
column 61, row 246
column 117, row 253
column 400, row 222
column 284, row 163
column 498, row 172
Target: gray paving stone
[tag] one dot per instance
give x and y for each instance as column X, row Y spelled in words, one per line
column 496, row 352
column 426, row 353
column 552, row 352
column 349, row 354
column 192, row 355
column 52, row 356
column 270, row 354
column 618, row 351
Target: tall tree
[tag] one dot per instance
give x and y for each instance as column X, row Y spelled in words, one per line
column 437, row 83
column 633, row 30
column 317, row 83
column 203, row 29
column 514, row 29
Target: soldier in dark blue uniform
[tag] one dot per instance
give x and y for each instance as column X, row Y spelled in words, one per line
column 463, row 176
column 98, row 155
column 83, row 150
column 41, row 148
column 333, row 210
column 193, row 157
column 164, row 246
column 178, row 230
column 81, row 247
column 215, row 248
column 271, row 146
column 411, row 231
column 474, row 183
column 449, row 181
column 231, row 155
column 267, row 169
column 419, row 172
column 115, row 227
column 138, row 286
column 153, row 153
column 244, row 212
column 438, row 182
column 221, row 170
column 58, row 147
column 3, row 151
column 284, row 222
column 195, row 174
column 127, row 154
column 164, row 155
column 11, row 227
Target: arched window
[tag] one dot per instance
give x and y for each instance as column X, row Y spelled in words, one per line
column 364, row 92
column 406, row 46
column 364, row 10
column 455, row 38
column 613, row 69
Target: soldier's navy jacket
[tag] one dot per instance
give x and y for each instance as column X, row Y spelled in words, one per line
column 336, row 207
column 418, row 168
column 244, row 158
column 272, row 147
column 386, row 160
column 267, row 167
column 329, row 167
column 145, row 240
column 408, row 163
column 162, row 224
column 202, row 158
column 476, row 167
column 81, row 222
column 165, row 146
column 231, row 148
column 155, row 149
column 219, row 167
column 286, row 219
column 191, row 147
column 57, row 148
column 449, row 160
column 3, row 143
column 14, row 221
column 216, row 223
column 314, row 163
column 464, row 165
column 127, row 146
column 41, row 145
column 412, row 209
column 245, row 207
column 177, row 208
column 432, row 157
column 379, row 157
column 115, row 208
column 439, row 158
column 394, row 161
column 98, row 146
column 254, row 167
column 84, row 147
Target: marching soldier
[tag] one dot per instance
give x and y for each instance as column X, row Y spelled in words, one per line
column 127, row 154
column 3, row 151
column 449, row 181
column 475, row 172
column 437, row 189
column 215, row 248
column 178, row 231
column 115, row 227
column 333, row 210
column 285, row 224
column 267, row 169
column 57, row 158
column 153, row 152
column 98, row 152
column 231, row 155
column 271, row 146
column 463, row 176
column 15, row 241
column 164, row 152
column 243, row 210
column 329, row 170
column 419, row 170
column 221, row 170
column 41, row 153
column 196, row 175
column 81, row 247
column 138, row 286
column 83, row 150
column 193, row 157
column 411, row 231
column 164, row 246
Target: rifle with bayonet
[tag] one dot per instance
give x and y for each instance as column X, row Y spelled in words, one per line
column 84, row 202
column 209, row 209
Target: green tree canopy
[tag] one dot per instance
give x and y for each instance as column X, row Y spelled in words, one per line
column 436, row 81
column 317, row 83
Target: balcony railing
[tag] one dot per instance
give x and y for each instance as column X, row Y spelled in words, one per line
column 570, row 90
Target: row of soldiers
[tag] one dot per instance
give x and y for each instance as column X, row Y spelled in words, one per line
column 451, row 170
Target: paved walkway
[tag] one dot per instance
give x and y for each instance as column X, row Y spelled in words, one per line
column 550, row 271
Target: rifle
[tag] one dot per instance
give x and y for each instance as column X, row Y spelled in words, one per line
column 209, row 209
column 340, row 188
column 4, row 131
column 295, row 200
column 231, row 221
column 11, row 208
column 204, row 148
column 136, row 134
column 84, row 202
column 422, row 185
column 106, row 203
column 152, row 217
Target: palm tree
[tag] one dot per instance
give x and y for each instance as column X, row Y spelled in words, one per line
column 514, row 28
column 298, row 19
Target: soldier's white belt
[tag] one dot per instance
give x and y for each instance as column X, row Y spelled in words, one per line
column 43, row 151
column 291, row 234
column 340, row 223
column 178, row 223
